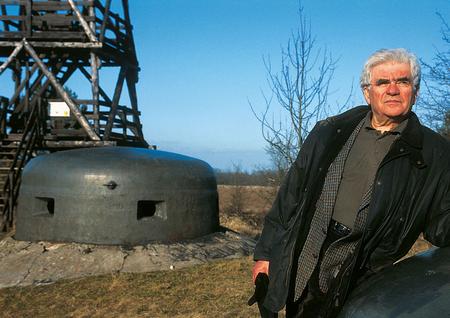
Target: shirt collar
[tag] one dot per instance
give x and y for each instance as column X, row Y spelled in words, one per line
column 397, row 130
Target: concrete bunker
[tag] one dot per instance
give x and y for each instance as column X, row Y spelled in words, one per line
column 416, row 287
column 116, row 195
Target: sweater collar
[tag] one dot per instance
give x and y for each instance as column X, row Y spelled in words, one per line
column 412, row 134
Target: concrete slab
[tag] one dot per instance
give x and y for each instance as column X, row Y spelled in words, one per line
column 28, row 263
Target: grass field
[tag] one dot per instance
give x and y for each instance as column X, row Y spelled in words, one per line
column 217, row 289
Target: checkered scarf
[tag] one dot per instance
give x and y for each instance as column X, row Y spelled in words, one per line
column 309, row 256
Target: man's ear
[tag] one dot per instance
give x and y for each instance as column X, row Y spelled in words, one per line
column 366, row 94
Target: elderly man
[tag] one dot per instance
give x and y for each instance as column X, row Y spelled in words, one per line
column 365, row 184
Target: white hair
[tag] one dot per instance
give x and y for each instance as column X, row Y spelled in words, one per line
column 391, row 55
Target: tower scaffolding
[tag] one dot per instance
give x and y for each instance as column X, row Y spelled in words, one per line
column 51, row 49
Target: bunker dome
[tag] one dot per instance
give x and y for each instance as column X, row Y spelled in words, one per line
column 116, row 195
column 417, row 287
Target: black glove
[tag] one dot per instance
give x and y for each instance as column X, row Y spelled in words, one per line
column 261, row 285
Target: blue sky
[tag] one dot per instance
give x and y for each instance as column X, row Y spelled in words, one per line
column 201, row 61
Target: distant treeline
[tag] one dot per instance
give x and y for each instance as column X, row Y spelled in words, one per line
column 262, row 177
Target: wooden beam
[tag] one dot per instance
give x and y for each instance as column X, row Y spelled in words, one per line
column 120, row 58
column 21, row 86
column 28, row 18
column 12, row 24
column 115, row 102
column 113, row 15
column 101, row 91
column 105, row 20
column 77, row 143
column 38, row 91
column 83, row 22
column 129, row 31
column 4, row 110
column 58, row 5
column 67, row 74
column 43, row 87
column 4, row 12
column 11, row 57
column 95, row 65
column 133, row 99
column 17, row 73
column 123, row 122
column 75, row 45
column 57, row 19
column 95, row 86
column 27, row 86
column 73, row 107
column 13, row 2
column 120, row 136
column 55, row 35
column 12, row 17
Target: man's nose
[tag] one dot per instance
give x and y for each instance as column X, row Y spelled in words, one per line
column 392, row 88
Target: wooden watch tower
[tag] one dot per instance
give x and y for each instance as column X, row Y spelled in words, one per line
column 53, row 54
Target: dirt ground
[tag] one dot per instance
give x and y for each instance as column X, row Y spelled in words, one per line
column 242, row 209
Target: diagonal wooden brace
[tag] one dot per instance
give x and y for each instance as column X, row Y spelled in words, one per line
column 73, row 107
column 84, row 24
column 115, row 102
column 11, row 57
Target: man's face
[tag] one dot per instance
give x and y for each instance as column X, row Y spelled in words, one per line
column 390, row 93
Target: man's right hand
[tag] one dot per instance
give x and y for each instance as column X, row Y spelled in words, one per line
column 260, row 267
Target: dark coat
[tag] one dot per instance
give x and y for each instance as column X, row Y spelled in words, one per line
column 411, row 195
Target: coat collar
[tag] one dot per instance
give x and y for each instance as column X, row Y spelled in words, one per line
column 412, row 134
column 409, row 143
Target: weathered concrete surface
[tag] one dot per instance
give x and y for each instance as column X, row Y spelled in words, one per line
column 27, row 263
column 158, row 195
column 416, row 287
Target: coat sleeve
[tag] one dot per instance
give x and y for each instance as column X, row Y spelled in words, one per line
column 437, row 229
column 289, row 196
column 274, row 222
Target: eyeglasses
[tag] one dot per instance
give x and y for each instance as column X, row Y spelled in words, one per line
column 403, row 82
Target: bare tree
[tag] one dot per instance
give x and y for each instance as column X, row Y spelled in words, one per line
column 300, row 89
column 236, row 204
column 434, row 104
column 445, row 128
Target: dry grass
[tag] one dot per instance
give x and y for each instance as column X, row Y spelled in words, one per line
column 245, row 217
column 218, row 289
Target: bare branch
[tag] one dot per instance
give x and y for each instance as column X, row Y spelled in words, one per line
column 300, row 89
column 434, row 105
